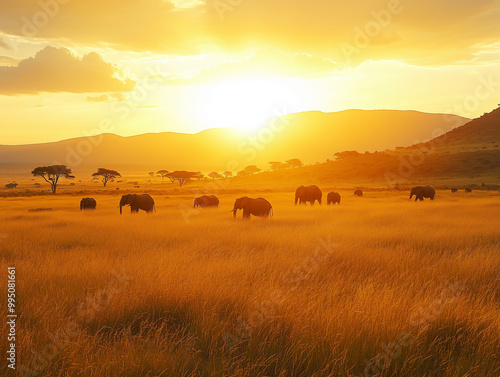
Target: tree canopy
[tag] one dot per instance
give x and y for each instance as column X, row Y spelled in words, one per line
column 252, row 169
column 181, row 176
column 106, row 174
column 346, row 155
column 163, row 173
column 52, row 173
column 294, row 163
column 215, row 175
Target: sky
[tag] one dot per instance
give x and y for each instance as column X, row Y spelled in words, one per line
column 72, row 68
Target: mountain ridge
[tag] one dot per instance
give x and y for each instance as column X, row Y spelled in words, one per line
column 311, row 136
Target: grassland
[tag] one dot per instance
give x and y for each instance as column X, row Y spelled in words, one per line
column 379, row 284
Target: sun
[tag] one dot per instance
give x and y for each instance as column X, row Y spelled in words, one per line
column 244, row 104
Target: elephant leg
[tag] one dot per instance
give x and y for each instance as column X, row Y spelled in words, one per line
column 312, row 203
column 246, row 214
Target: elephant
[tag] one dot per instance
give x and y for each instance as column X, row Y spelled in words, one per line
column 332, row 198
column 358, row 192
column 206, row 201
column 257, row 207
column 308, row 194
column 454, row 190
column 87, row 203
column 468, row 190
column 422, row 192
column 137, row 202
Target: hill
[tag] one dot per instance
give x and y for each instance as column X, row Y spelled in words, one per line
column 480, row 134
column 310, row 136
column 466, row 156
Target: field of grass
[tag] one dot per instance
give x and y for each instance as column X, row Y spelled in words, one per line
column 379, row 285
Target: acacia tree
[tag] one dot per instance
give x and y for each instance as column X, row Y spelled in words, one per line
column 346, row 155
column 181, row 176
column 163, row 173
column 215, row 175
column 295, row 163
column 243, row 173
column 106, row 174
column 228, row 174
column 199, row 175
column 252, row 169
column 275, row 165
column 51, row 174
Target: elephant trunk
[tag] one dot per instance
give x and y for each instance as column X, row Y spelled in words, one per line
column 296, row 199
column 234, row 212
column 120, row 209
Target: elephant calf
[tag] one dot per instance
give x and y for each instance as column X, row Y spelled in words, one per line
column 332, row 198
column 206, row 201
column 454, row 190
column 468, row 190
column 257, row 207
column 137, row 202
column 88, row 203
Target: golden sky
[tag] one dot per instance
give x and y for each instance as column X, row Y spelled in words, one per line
column 72, row 68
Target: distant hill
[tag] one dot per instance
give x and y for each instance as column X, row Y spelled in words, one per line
column 480, row 134
column 467, row 155
column 309, row 136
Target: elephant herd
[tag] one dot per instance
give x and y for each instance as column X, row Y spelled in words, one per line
column 454, row 190
column 259, row 207
column 313, row 193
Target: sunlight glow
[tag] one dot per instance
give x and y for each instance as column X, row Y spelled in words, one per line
column 244, row 104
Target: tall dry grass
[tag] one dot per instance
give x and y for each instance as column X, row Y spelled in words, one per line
column 378, row 284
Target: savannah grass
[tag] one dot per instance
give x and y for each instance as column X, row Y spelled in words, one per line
column 191, row 283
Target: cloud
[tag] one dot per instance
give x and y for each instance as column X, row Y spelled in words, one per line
column 418, row 32
column 114, row 97
column 7, row 61
column 265, row 62
column 3, row 44
column 58, row 70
